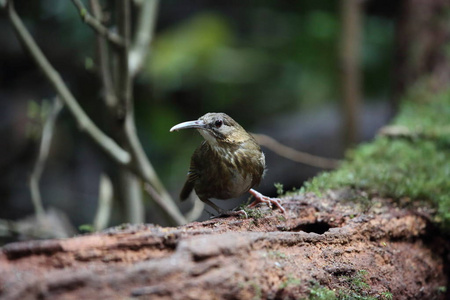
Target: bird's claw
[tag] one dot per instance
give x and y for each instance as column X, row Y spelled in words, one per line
column 260, row 198
column 242, row 212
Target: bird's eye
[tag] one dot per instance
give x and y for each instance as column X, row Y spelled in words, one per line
column 218, row 123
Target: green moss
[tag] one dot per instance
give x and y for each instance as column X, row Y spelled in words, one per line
column 354, row 296
column 290, row 281
column 354, row 288
column 414, row 166
column 86, row 228
column 276, row 254
column 279, row 187
column 321, row 293
column 252, row 286
column 253, row 213
column 357, row 285
column 281, row 218
column 426, row 114
column 387, row 296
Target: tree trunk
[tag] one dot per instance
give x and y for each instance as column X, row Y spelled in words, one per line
column 421, row 39
column 350, row 66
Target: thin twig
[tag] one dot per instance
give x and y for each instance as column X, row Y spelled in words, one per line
column 104, row 208
column 168, row 206
column 97, row 26
column 196, row 209
column 46, row 139
column 143, row 37
column 137, row 161
column 153, row 194
column 84, row 122
column 131, row 192
column 145, row 169
column 295, row 155
column 404, row 132
column 140, row 162
column 129, row 185
column 123, row 83
column 103, row 61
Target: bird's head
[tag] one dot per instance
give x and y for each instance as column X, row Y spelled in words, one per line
column 216, row 128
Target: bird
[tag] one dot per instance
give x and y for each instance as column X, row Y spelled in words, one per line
column 227, row 164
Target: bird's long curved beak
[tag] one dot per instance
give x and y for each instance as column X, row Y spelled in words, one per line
column 197, row 124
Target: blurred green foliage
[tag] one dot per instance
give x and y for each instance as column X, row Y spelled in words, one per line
column 251, row 60
column 183, row 55
column 271, row 59
column 287, row 59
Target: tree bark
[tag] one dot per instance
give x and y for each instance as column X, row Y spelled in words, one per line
column 320, row 241
column 421, row 39
column 350, row 66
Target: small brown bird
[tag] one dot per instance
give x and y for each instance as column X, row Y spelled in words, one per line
column 227, row 164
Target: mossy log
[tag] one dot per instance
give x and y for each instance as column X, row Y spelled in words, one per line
column 322, row 248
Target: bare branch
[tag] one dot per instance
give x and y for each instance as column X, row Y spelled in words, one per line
column 84, row 122
column 105, row 196
column 103, row 61
column 123, row 84
column 140, row 163
column 136, row 2
column 144, row 36
column 137, row 161
column 295, row 155
column 46, row 139
column 53, row 224
column 145, row 169
column 96, row 25
column 129, row 186
column 168, row 206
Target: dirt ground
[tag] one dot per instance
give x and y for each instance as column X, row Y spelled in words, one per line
column 374, row 250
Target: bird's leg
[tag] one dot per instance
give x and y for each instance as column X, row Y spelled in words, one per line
column 260, row 198
column 223, row 212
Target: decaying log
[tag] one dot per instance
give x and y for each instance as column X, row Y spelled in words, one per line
column 320, row 241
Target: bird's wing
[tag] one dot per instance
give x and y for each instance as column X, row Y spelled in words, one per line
column 192, row 175
column 189, row 184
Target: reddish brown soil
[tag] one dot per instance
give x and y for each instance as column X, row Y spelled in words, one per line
column 320, row 241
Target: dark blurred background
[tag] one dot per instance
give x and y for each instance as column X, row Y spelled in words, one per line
column 271, row 65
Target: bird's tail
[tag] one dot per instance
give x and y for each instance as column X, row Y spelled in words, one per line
column 187, row 189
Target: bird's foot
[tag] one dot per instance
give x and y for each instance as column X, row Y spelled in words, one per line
column 225, row 213
column 260, row 198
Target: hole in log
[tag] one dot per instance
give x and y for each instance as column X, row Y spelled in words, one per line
column 317, row 227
